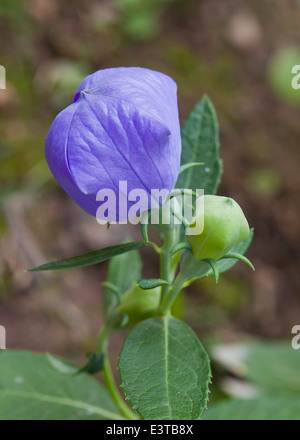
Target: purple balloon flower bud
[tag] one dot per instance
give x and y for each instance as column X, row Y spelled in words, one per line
column 122, row 127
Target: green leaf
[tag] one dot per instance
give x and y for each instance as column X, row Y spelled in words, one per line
column 273, row 368
column 152, row 284
column 257, row 409
column 30, row 389
column 200, row 143
column 165, row 370
column 93, row 366
column 91, row 258
column 124, row 271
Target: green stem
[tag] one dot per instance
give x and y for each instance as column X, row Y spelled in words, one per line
column 165, row 262
column 172, row 295
column 109, row 377
column 155, row 247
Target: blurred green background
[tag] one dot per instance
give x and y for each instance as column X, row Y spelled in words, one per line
column 238, row 52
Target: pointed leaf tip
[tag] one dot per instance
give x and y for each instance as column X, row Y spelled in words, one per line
column 240, row 257
column 215, row 269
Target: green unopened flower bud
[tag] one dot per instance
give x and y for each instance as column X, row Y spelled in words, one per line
column 225, row 225
column 139, row 304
